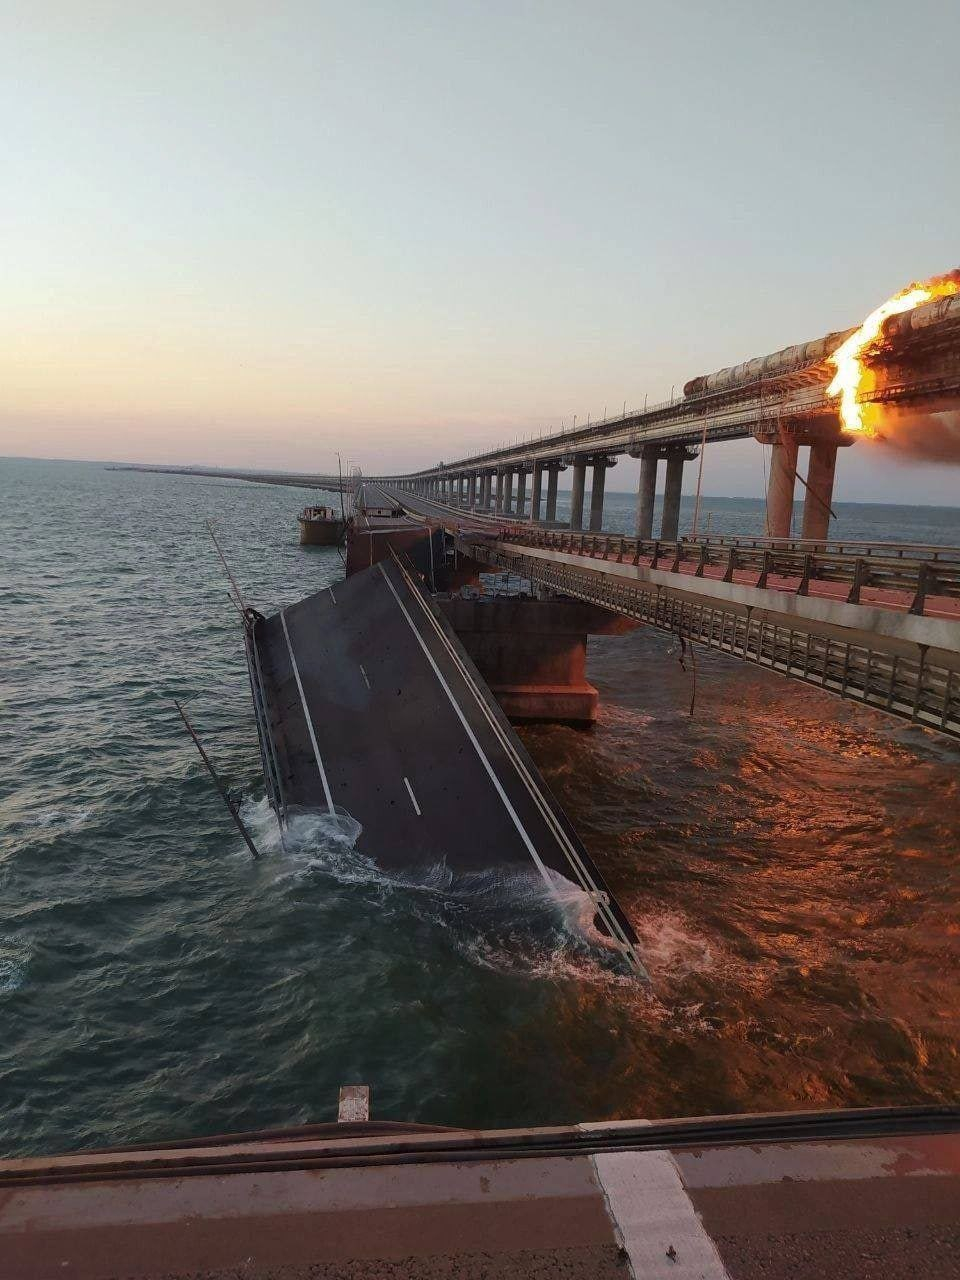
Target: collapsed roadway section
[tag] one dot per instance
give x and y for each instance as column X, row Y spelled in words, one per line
column 368, row 706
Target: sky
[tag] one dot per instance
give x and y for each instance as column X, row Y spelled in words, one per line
column 253, row 234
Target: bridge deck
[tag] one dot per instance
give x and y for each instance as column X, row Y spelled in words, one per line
column 856, row 1195
column 374, row 708
column 874, row 627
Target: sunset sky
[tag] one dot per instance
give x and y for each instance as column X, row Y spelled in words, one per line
column 253, row 234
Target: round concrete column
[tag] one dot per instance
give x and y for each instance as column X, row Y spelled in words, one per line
column 576, row 496
column 819, row 495
column 783, row 479
column 673, row 484
column 535, row 491
column 521, row 491
column 553, row 474
column 600, row 466
column 646, row 493
column 500, row 487
column 508, row 493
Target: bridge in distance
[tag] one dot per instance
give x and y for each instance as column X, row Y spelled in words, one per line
column 875, row 623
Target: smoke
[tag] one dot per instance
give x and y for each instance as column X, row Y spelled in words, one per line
column 919, row 437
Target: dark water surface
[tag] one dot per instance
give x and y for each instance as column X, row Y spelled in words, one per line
column 790, row 862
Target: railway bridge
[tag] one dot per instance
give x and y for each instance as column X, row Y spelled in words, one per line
column 779, row 399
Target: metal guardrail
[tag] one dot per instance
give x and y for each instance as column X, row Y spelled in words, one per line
column 917, row 579
column 914, row 689
column 271, row 768
column 847, row 546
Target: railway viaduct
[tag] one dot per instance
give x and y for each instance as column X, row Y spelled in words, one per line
column 779, row 399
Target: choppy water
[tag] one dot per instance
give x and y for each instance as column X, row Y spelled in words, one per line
column 790, row 862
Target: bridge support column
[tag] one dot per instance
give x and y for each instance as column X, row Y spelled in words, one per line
column 536, row 486
column 553, row 474
column 600, row 466
column 819, row 495
column 499, row 500
column 472, row 490
column 507, row 492
column 576, row 497
column 670, row 519
column 646, row 492
column 521, row 491
column 783, row 479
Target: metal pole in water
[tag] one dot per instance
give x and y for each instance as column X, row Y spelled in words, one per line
column 225, row 795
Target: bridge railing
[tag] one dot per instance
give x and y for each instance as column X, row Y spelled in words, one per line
column 914, row 582
column 915, row 687
column 846, row 547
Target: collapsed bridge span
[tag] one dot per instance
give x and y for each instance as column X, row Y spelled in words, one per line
column 368, row 706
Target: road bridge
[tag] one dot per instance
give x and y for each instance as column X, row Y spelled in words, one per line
column 871, row 622
column 371, row 714
column 779, row 399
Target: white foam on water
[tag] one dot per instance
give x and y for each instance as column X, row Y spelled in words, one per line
column 63, row 819
column 504, row 919
column 14, row 961
column 671, row 948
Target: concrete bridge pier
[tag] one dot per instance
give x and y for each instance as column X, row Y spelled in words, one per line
column 553, row 473
column 472, row 490
column 536, row 485
column 781, row 486
column 647, row 491
column 576, row 496
column 673, row 483
column 521, row 491
column 507, row 483
column 818, row 499
column 600, row 465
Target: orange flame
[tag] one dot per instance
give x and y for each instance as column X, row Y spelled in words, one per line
column 848, row 357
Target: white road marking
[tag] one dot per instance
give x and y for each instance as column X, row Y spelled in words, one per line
column 366, row 678
column 306, row 713
column 618, row 937
column 332, row 596
column 531, row 849
column 413, row 798
column 655, row 1218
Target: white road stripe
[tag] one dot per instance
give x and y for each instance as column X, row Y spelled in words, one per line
column 332, row 596
column 306, row 713
column 573, row 857
column 531, row 849
column 413, row 798
column 655, row 1218
column 366, row 678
